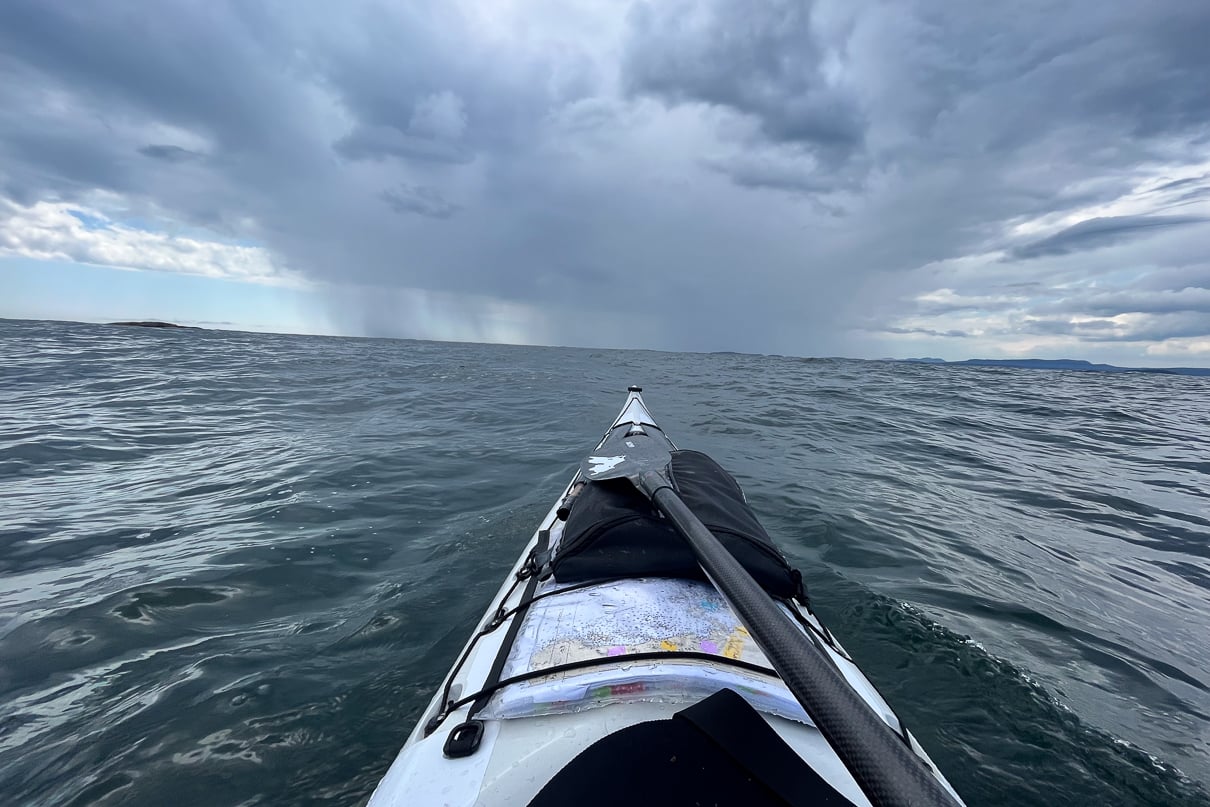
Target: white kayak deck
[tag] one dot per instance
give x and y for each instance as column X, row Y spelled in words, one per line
column 533, row 728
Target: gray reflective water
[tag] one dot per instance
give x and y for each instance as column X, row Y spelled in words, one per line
column 233, row 567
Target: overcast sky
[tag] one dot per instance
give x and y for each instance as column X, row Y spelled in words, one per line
column 836, row 177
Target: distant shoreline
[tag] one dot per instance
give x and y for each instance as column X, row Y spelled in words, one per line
column 1075, row 365
column 1078, row 365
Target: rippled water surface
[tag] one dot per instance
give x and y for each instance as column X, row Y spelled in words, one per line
column 234, row 567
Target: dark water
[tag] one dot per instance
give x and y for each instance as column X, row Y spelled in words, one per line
column 233, row 567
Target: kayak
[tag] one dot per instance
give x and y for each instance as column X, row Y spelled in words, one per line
column 621, row 662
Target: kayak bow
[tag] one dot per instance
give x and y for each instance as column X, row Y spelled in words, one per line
column 609, row 656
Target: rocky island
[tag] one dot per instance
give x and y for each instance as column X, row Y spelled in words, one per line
column 155, row 324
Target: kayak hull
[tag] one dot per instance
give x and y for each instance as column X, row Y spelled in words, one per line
column 641, row 660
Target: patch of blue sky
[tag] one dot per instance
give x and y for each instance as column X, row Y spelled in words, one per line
column 65, row 290
column 148, row 225
column 90, row 221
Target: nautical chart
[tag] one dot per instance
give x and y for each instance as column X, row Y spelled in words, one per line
column 634, row 616
column 631, row 616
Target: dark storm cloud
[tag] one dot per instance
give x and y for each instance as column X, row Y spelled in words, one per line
column 1193, row 300
column 1195, row 195
column 195, row 64
column 791, row 168
column 421, row 81
column 1100, row 232
column 950, row 334
column 168, row 153
column 1187, row 182
column 762, row 60
column 756, row 172
column 376, row 144
column 1145, row 329
column 419, row 200
column 1192, row 275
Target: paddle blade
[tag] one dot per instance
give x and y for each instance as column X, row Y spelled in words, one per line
column 628, row 457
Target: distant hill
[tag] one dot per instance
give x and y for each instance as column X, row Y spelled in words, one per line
column 1064, row 364
column 155, row 324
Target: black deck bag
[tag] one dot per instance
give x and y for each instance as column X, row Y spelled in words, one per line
column 614, row 531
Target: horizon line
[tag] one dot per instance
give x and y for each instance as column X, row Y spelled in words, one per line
column 925, row 360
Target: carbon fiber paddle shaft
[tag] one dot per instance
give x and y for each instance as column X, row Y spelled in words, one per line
column 886, row 769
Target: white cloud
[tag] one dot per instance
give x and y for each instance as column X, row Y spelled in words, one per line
column 1186, row 348
column 63, row 231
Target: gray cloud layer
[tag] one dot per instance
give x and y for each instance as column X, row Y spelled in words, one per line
column 798, row 177
column 1100, row 232
column 766, row 62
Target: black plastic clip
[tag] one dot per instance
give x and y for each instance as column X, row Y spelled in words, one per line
column 497, row 619
column 529, row 568
column 463, row 739
column 434, row 722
